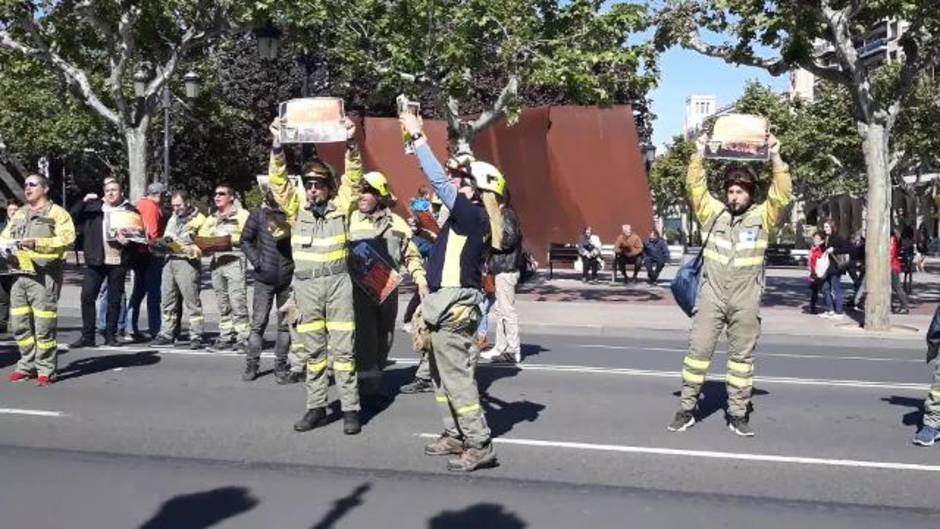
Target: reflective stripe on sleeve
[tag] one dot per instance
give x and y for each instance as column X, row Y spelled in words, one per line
column 712, row 255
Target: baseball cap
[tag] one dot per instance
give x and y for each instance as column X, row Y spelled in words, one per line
column 156, row 188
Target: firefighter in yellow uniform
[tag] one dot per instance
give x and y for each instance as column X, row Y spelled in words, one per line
column 181, row 274
column 228, row 270
column 732, row 281
column 42, row 232
column 376, row 226
column 322, row 287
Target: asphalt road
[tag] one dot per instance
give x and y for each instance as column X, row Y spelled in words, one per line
column 131, row 437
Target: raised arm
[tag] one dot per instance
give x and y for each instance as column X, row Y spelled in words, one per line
column 432, row 169
column 348, row 193
column 781, row 187
column 285, row 194
column 704, row 205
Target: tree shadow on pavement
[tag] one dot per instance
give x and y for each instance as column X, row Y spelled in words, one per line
column 98, row 364
column 9, row 356
column 714, row 398
column 488, row 515
column 202, row 509
column 501, row 415
column 912, row 418
column 342, row 506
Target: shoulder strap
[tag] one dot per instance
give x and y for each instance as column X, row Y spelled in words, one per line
column 701, row 253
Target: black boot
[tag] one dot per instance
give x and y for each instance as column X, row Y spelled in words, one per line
column 351, row 424
column 281, row 372
column 251, row 370
column 313, row 418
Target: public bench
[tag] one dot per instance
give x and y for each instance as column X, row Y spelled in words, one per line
column 566, row 254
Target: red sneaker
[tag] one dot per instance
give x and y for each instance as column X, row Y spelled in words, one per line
column 18, row 376
column 43, row 380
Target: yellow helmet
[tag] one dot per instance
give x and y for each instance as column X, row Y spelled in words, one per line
column 487, row 177
column 377, row 181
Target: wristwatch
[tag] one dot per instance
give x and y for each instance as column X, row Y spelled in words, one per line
column 416, row 136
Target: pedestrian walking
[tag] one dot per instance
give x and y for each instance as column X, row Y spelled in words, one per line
column 450, row 314
column 266, row 243
column 148, row 268
column 227, row 269
column 108, row 257
column 42, row 232
column 374, row 224
column 732, row 281
column 628, row 250
column 655, row 256
column 504, row 264
column 589, row 248
column 181, row 274
column 897, row 267
column 929, row 432
column 322, row 286
column 817, row 275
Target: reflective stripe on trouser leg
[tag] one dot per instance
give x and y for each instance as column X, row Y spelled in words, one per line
column 340, row 330
column 743, row 332
column 221, row 291
column 309, row 347
column 707, row 324
column 188, row 278
column 21, row 324
column 440, row 397
column 455, row 364
column 932, row 403
column 234, row 273
column 45, row 321
column 169, row 299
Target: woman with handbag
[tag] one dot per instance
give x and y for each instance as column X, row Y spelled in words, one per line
column 838, row 249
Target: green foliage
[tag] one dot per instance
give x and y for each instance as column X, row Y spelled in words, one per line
column 667, row 176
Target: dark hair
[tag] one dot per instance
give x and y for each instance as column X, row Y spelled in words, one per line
column 820, row 234
column 13, row 201
column 741, row 176
column 227, row 186
column 183, row 195
column 832, row 224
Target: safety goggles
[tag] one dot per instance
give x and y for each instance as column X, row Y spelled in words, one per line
column 315, row 183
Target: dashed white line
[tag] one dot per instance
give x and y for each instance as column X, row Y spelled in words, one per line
column 758, row 354
column 764, row 458
column 35, row 413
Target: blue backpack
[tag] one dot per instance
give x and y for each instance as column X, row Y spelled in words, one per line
column 685, row 285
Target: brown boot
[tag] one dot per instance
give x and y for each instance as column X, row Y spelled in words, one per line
column 473, row 458
column 444, row 445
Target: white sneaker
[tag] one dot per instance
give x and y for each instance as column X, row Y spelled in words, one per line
column 409, row 328
column 826, row 315
column 489, row 355
column 835, row 316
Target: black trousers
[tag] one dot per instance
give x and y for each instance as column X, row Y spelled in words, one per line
column 264, row 297
column 653, row 269
column 624, row 260
column 412, row 307
column 91, row 285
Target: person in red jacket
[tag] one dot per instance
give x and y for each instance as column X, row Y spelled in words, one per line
column 894, row 249
column 817, row 282
column 147, row 267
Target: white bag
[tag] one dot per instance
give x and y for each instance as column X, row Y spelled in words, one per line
column 822, row 266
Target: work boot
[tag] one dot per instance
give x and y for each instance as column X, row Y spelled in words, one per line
column 682, row 421
column 473, row 458
column 281, row 372
column 221, row 345
column 444, row 445
column 418, row 385
column 927, row 436
column 296, row 377
column 740, row 426
column 251, row 370
column 351, row 424
column 195, row 344
column 314, row 418
column 111, row 341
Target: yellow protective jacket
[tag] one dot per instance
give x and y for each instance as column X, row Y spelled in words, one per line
column 319, row 238
column 232, row 225
column 51, row 227
column 391, row 237
column 181, row 232
column 734, row 253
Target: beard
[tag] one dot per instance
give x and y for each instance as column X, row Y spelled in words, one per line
column 737, row 209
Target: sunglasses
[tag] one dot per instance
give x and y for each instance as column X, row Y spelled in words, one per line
column 31, row 184
column 221, row 194
column 368, row 190
column 316, row 183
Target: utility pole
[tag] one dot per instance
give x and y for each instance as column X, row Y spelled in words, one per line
column 166, row 136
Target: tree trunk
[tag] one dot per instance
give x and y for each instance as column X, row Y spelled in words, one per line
column 136, row 139
column 877, row 260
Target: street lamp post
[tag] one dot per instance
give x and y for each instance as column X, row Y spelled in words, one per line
column 192, row 83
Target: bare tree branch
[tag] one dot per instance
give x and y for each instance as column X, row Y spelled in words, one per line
column 726, row 53
column 486, row 119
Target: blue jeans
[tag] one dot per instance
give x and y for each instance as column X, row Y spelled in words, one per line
column 834, row 281
column 102, row 303
column 147, row 282
column 485, row 307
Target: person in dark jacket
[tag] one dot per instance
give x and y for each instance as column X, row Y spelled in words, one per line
column 839, row 250
column 656, row 253
column 266, row 242
column 107, row 257
column 504, row 265
column 6, row 281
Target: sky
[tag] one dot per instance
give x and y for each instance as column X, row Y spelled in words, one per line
column 685, row 72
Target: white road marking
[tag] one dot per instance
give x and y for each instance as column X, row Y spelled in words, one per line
column 36, row 413
column 765, row 458
column 758, row 354
column 553, row 368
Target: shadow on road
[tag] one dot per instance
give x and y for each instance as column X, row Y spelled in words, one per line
column 9, row 355
column 488, row 515
column 714, row 398
column 342, row 506
column 98, row 364
column 202, row 509
column 532, row 349
column 912, row 418
column 501, row 415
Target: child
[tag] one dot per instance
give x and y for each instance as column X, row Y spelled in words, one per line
column 816, row 282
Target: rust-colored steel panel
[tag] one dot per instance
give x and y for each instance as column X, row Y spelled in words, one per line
column 567, row 167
